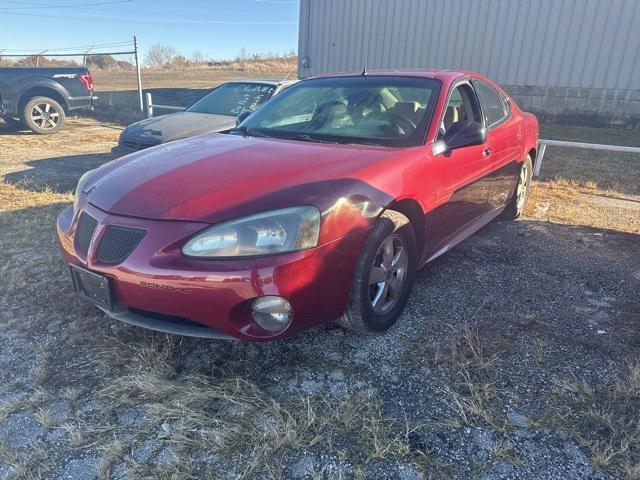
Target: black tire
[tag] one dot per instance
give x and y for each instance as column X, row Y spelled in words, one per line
column 361, row 316
column 13, row 122
column 43, row 115
column 518, row 201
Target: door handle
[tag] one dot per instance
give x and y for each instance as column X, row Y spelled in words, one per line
column 487, row 152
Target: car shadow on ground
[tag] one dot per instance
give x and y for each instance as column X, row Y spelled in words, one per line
column 7, row 128
column 59, row 174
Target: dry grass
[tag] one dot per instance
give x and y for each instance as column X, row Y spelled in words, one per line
column 32, row 464
column 232, row 421
column 105, row 80
column 586, row 187
column 604, row 418
column 469, row 361
column 569, row 202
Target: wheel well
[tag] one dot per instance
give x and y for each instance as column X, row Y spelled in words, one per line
column 40, row 92
column 413, row 211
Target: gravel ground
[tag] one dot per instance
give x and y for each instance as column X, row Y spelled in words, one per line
column 482, row 377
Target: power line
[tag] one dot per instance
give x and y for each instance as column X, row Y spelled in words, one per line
column 211, row 12
column 47, row 54
column 39, row 6
column 78, row 47
column 151, row 21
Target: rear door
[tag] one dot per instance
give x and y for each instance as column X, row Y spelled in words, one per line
column 463, row 175
column 504, row 134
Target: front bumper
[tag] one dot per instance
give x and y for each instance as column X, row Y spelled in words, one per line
column 213, row 298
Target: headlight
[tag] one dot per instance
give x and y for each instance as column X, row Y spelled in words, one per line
column 278, row 231
column 79, row 187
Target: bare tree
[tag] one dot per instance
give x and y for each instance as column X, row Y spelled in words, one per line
column 198, row 57
column 160, row 56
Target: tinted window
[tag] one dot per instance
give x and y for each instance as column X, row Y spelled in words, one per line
column 374, row 110
column 492, row 103
column 233, row 98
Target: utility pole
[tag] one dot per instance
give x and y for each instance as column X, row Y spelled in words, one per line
column 38, row 57
column 135, row 47
column 84, row 57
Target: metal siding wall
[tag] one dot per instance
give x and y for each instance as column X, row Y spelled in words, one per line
column 546, row 43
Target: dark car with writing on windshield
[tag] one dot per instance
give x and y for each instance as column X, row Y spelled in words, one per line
column 215, row 112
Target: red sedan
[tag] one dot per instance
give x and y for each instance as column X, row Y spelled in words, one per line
column 320, row 206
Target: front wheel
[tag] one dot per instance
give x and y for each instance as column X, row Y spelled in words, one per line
column 518, row 202
column 43, row 115
column 384, row 276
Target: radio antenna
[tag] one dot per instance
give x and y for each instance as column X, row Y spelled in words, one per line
column 364, row 68
column 286, row 76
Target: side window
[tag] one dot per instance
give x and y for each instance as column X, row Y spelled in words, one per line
column 493, row 104
column 463, row 106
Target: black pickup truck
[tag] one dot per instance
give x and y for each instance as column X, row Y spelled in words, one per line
column 39, row 98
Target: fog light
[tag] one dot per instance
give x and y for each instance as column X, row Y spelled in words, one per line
column 271, row 313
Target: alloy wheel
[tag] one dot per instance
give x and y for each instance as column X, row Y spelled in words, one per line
column 387, row 274
column 45, row 116
column 523, row 186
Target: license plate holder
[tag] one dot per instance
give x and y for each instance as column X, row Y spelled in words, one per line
column 92, row 286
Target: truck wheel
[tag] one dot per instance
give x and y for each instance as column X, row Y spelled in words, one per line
column 384, row 276
column 43, row 115
column 518, row 201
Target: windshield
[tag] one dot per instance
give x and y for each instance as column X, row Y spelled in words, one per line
column 367, row 110
column 233, row 98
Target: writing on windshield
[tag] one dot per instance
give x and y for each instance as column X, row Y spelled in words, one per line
column 233, row 98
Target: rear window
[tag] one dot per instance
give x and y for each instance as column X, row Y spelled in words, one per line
column 493, row 105
column 233, row 98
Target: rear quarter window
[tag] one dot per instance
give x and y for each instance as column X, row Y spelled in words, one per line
column 494, row 107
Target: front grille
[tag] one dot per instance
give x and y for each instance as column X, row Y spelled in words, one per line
column 118, row 243
column 138, row 144
column 84, row 232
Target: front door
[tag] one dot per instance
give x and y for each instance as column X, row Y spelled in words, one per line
column 462, row 175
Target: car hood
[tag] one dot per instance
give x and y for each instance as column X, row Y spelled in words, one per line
column 176, row 126
column 216, row 177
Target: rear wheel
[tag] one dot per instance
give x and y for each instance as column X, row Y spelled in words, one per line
column 384, row 276
column 43, row 115
column 518, row 201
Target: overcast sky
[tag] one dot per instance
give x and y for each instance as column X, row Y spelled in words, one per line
column 218, row 28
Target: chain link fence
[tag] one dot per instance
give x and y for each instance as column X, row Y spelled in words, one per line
column 115, row 72
column 121, row 87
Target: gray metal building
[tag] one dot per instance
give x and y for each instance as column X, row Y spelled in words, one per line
column 576, row 60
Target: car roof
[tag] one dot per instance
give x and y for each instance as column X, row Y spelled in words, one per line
column 266, row 81
column 444, row 75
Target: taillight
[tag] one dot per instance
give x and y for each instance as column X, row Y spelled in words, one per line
column 87, row 81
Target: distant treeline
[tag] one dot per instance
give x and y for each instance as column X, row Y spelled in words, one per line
column 162, row 57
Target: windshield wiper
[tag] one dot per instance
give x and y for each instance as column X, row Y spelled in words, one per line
column 248, row 132
column 307, row 138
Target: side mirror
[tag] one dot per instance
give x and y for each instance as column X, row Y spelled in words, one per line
column 243, row 116
column 460, row 134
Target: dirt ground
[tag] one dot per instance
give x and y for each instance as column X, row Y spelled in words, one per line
column 516, row 358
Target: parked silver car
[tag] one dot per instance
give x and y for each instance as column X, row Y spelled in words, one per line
column 215, row 112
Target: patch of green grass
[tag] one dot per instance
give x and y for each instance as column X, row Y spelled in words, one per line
column 604, row 170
